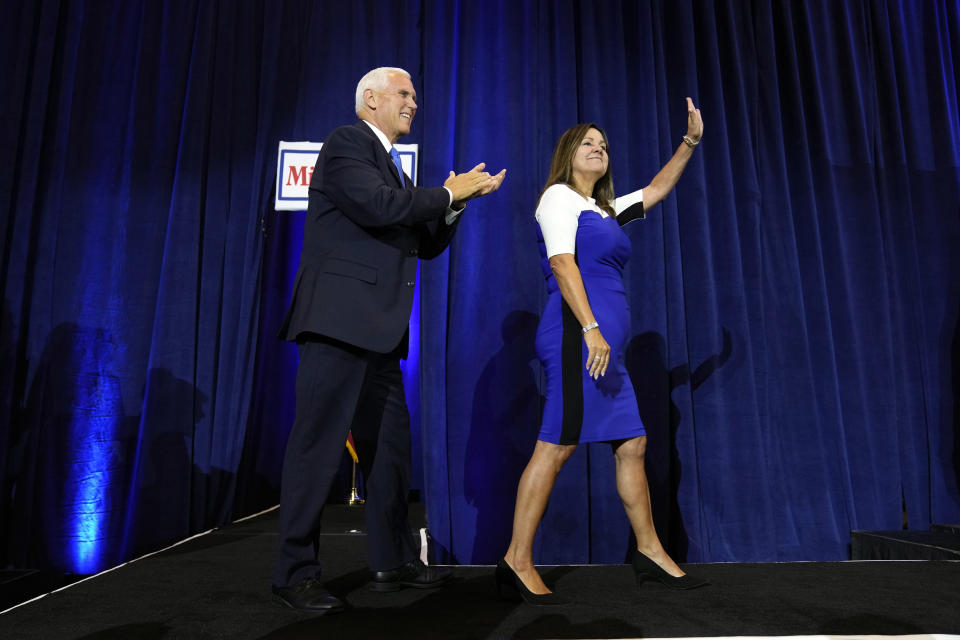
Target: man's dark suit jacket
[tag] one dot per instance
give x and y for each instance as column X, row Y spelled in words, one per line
column 363, row 235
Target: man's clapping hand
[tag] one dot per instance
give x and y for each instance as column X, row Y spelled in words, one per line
column 472, row 184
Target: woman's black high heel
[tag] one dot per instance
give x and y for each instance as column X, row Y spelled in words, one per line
column 647, row 569
column 507, row 577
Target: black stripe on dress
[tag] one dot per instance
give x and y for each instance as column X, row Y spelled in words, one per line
column 571, row 355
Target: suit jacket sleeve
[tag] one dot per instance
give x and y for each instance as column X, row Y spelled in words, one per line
column 436, row 236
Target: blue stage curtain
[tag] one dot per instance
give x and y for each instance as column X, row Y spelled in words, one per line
column 795, row 303
column 138, row 155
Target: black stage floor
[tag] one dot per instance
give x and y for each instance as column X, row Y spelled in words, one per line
column 217, row 586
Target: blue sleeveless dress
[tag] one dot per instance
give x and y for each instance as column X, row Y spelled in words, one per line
column 579, row 408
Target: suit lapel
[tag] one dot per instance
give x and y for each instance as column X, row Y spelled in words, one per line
column 383, row 158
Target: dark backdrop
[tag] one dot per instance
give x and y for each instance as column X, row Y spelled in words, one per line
column 795, row 303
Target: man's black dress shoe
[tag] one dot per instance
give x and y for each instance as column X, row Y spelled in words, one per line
column 413, row 574
column 309, row 595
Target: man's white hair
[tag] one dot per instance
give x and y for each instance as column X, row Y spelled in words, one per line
column 376, row 80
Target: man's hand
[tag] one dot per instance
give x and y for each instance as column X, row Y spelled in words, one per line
column 493, row 183
column 465, row 186
column 470, row 185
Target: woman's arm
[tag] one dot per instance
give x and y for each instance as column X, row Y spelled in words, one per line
column 570, row 282
column 667, row 177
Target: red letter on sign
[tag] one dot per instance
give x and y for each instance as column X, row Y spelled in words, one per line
column 298, row 177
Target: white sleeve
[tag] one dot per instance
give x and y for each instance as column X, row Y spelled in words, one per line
column 558, row 220
column 623, row 203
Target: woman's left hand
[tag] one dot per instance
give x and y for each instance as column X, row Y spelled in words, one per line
column 694, row 122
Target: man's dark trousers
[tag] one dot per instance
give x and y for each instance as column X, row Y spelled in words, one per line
column 341, row 388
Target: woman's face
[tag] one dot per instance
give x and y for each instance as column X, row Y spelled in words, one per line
column 590, row 159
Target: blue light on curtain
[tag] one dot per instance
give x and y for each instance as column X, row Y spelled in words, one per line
column 410, row 369
column 95, row 454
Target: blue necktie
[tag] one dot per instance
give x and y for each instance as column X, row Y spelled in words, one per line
column 396, row 162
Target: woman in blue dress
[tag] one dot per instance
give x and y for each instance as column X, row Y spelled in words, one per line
column 581, row 340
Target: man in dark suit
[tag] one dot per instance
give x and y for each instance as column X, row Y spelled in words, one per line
column 366, row 227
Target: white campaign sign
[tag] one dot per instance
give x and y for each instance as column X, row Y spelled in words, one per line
column 295, row 161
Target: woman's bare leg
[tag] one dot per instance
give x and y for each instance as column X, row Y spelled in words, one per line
column 635, row 494
column 533, row 492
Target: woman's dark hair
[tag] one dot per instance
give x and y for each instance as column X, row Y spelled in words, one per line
column 561, row 166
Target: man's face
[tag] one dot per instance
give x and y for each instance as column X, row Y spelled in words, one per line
column 394, row 107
